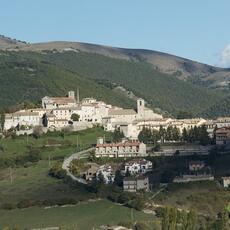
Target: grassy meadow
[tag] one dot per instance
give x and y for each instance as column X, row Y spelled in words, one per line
column 85, row 215
column 31, row 180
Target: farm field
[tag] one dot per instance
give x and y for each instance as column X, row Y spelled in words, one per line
column 82, row 216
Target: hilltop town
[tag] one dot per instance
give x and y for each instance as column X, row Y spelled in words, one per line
column 67, row 112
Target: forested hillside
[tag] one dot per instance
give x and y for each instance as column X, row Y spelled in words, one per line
column 26, row 79
column 31, row 75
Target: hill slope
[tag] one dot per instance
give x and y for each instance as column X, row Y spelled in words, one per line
column 39, row 74
column 182, row 68
column 26, row 79
column 167, row 82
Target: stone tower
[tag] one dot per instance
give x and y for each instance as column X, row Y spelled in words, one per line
column 141, row 108
column 71, row 94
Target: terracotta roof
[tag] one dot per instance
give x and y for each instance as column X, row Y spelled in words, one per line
column 133, row 143
column 196, row 163
column 223, row 130
column 121, row 112
column 63, row 100
column 26, row 114
column 138, row 161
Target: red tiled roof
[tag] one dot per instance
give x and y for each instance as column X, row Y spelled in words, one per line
column 63, row 100
column 133, row 143
column 223, row 130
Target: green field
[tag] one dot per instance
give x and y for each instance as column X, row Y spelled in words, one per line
column 83, row 216
column 31, row 181
column 207, row 198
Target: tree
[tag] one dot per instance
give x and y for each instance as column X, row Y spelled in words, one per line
column 184, row 135
column 127, row 173
column 203, row 135
column 191, row 136
column 145, row 136
column 191, row 220
column 37, row 131
column 155, row 136
column 117, row 135
column 175, row 134
column 118, row 179
column 57, row 171
column 168, row 135
column 2, row 120
column 44, row 120
column 75, row 117
column 140, row 226
column 101, row 178
column 222, row 221
column 162, row 133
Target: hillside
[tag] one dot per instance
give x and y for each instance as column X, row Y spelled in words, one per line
column 168, row 83
column 182, row 68
column 9, row 43
column 24, row 79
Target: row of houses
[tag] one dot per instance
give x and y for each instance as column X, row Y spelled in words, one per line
column 133, row 171
column 126, row 148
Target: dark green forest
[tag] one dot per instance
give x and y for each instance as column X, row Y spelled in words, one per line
column 30, row 76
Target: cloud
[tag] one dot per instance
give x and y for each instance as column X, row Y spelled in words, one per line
column 224, row 60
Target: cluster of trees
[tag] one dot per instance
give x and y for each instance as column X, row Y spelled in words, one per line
column 57, row 171
column 117, row 135
column 75, row 117
column 153, row 136
column 192, row 135
column 196, row 134
column 172, row 217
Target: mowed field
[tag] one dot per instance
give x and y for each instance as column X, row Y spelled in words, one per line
column 83, row 216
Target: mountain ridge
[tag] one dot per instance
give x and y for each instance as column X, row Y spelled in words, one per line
column 183, row 68
column 107, row 68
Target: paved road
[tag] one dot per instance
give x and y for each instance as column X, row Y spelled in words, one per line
column 78, row 155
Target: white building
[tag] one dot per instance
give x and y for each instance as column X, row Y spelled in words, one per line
column 108, row 173
column 134, row 184
column 146, row 113
column 138, row 166
column 225, row 181
column 59, row 102
column 23, row 117
column 222, row 122
column 122, row 149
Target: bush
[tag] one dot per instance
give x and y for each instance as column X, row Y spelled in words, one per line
column 25, row 204
column 8, row 206
column 37, row 131
column 57, row 171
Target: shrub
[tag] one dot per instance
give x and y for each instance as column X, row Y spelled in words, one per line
column 8, row 206
column 25, row 204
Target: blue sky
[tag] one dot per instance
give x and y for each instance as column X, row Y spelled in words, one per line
column 197, row 29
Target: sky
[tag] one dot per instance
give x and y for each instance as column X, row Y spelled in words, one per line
column 197, row 29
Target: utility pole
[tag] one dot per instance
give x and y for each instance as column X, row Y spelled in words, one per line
column 49, row 160
column 11, row 176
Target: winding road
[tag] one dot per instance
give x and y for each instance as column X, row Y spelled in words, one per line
column 78, row 155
